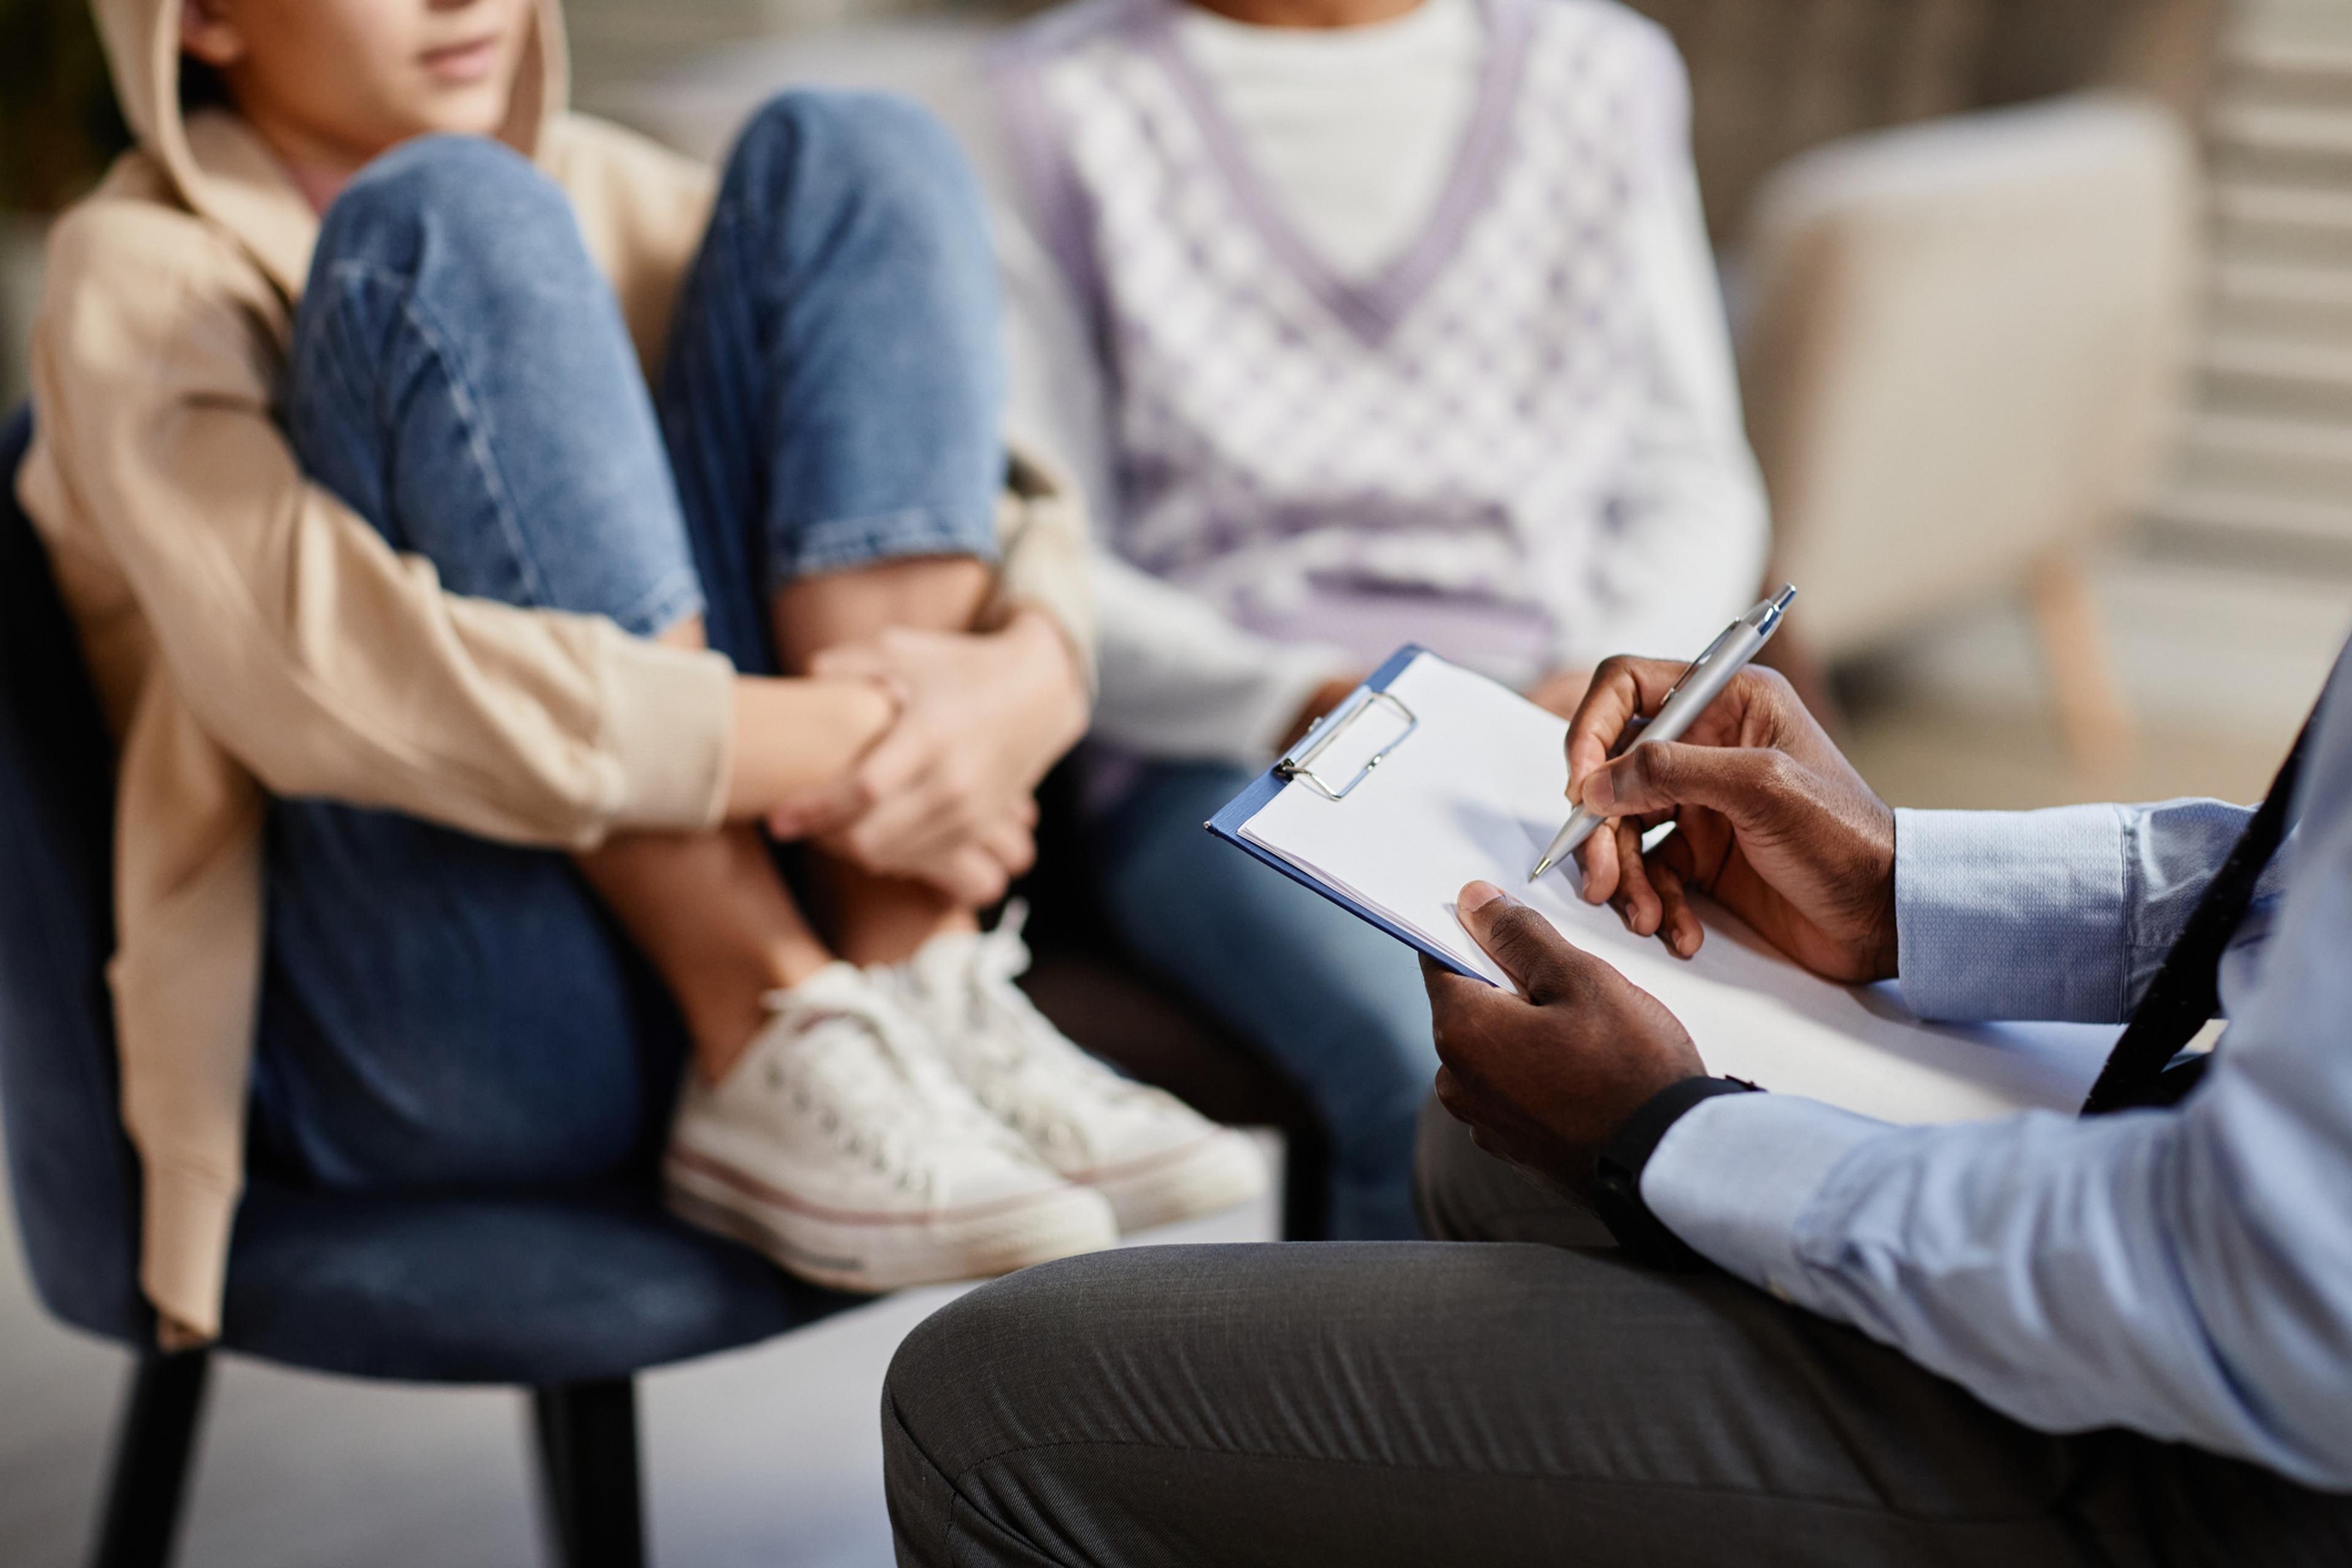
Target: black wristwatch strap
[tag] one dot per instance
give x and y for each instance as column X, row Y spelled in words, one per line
column 1617, row 1190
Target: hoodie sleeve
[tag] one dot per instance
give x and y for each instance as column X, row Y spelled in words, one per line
column 325, row 662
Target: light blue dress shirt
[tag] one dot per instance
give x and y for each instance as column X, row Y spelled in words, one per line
column 2186, row 1273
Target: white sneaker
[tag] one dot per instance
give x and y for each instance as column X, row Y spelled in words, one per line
column 1155, row 1158
column 839, row 1146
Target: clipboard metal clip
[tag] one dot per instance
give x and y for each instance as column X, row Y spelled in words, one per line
column 1298, row 763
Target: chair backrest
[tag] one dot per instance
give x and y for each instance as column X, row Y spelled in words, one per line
column 70, row 1168
column 1961, row 344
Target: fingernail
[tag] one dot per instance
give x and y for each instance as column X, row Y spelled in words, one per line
column 1600, row 793
column 1478, row 895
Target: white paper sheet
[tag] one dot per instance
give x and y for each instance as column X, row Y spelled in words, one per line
column 1476, row 792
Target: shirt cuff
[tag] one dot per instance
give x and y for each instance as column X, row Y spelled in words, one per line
column 1043, row 535
column 1734, row 1173
column 2012, row 914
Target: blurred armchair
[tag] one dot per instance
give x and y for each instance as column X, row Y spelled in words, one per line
column 1962, row 233
column 1958, row 349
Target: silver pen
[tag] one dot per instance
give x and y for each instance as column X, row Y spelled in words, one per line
column 1696, row 686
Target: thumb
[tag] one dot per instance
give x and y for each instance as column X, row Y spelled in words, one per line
column 1538, row 959
column 1741, row 782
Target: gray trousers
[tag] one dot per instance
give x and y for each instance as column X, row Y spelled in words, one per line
column 1515, row 1393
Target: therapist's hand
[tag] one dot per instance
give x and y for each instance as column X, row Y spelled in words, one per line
column 1547, row 1077
column 1769, row 818
column 1561, row 691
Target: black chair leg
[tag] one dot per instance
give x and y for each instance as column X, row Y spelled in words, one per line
column 152, row 1451
column 587, row 1435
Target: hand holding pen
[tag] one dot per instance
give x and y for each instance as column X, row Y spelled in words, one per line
column 1693, row 690
column 1770, row 819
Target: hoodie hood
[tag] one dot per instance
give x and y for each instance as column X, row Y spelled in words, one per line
column 220, row 170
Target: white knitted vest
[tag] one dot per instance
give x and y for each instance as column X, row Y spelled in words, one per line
column 1290, row 441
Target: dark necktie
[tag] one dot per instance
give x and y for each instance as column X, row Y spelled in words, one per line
column 2185, row 994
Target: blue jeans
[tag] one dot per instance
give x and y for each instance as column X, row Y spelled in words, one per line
column 439, row 1010
column 1330, row 1001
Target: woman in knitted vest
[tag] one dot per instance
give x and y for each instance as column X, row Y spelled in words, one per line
column 1360, row 322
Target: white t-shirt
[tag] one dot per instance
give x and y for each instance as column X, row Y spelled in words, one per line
column 1353, row 130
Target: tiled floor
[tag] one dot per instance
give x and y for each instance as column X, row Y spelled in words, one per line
column 772, row 1457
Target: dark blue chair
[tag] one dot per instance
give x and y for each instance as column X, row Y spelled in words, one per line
column 567, row 1293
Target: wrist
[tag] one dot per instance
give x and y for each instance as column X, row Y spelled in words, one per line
column 1043, row 641
column 1049, row 662
column 1617, row 1170
column 793, row 735
column 1885, row 959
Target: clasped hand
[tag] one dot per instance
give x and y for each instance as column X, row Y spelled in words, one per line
column 947, row 796
column 1770, row 819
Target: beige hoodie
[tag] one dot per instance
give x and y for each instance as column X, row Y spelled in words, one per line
column 249, row 632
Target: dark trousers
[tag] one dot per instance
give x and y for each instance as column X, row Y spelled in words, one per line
column 1532, row 1398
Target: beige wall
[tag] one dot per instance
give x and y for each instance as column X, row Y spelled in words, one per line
column 619, row 41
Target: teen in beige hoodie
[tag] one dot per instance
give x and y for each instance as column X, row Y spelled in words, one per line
column 272, row 657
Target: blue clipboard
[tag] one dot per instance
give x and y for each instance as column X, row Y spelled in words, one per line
column 1297, row 767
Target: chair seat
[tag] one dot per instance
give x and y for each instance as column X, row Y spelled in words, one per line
column 530, row 1288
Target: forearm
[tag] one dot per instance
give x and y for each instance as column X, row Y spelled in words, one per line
column 796, row 735
column 2072, row 1275
column 2176, row 1272
column 2059, row 915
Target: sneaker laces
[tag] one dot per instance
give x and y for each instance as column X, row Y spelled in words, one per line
column 872, row 1088
column 1008, row 1038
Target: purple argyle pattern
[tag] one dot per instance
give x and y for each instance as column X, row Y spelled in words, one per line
column 1451, row 427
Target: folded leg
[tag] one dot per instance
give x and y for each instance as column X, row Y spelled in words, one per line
column 438, row 1008
column 1498, row 1403
column 1431, row 1402
column 833, row 376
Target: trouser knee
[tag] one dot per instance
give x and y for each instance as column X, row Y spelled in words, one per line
column 461, row 375
column 468, row 196
column 819, row 159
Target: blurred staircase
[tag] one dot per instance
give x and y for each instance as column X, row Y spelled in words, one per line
column 2265, row 456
